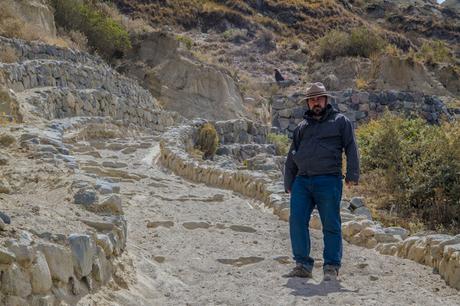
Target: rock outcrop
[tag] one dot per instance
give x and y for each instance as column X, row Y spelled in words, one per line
column 181, row 83
column 37, row 13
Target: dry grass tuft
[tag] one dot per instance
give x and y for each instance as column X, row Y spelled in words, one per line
column 8, row 55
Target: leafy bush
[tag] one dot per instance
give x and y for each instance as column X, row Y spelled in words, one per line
column 236, row 35
column 333, row 44
column 208, row 140
column 433, row 52
column 359, row 42
column 363, row 42
column 104, row 34
column 266, row 41
column 187, row 41
column 419, row 165
column 280, row 141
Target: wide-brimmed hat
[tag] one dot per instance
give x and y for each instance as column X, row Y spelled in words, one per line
column 316, row 90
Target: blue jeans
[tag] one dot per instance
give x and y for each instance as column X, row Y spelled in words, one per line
column 324, row 192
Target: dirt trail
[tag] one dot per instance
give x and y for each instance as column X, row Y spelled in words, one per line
column 195, row 245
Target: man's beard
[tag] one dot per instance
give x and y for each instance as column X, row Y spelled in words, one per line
column 318, row 111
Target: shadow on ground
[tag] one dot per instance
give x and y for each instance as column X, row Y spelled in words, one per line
column 308, row 287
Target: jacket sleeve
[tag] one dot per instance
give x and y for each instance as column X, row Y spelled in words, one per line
column 351, row 151
column 290, row 169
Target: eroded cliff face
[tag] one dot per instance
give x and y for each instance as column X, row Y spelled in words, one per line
column 180, row 82
column 35, row 12
column 452, row 4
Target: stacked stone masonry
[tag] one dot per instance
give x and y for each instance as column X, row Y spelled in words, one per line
column 52, row 82
column 359, row 106
column 43, row 268
column 442, row 252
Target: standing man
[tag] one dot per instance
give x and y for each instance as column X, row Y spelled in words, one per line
column 313, row 177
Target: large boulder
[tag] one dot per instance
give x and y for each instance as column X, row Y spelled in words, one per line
column 37, row 13
column 183, row 84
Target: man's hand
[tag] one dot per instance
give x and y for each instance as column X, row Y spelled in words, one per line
column 351, row 183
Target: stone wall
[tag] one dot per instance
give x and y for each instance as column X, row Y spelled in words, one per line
column 360, row 106
column 439, row 251
column 47, row 268
column 51, row 82
column 36, row 50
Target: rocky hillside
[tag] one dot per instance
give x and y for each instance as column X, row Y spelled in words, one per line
column 414, row 45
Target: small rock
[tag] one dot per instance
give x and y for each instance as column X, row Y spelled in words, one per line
column 105, row 243
column 155, row 224
column 4, row 186
column 85, row 197
column 16, row 282
column 373, row 278
column 363, row 211
column 105, row 187
column 83, row 250
column 6, row 139
column 159, row 259
column 110, row 164
column 99, row 225
column 110, row 204
column 23, row 251
column 40, row 275
column 6, row 257
column 345, row 205
column 356, row 202
column 3, row 159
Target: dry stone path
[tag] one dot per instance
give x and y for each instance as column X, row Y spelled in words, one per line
column 195, row 245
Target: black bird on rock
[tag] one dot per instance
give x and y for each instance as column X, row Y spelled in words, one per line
column 278, row 76
column 281, row 81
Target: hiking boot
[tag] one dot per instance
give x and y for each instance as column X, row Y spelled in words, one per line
column 299, row 271
column 330, row 273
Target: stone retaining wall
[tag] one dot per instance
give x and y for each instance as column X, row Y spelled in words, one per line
column 36, row 50
column 51, row 82
column 439, row 251
column 359, row 106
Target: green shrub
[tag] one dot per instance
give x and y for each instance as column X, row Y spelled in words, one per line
column 363, row 42
column 433, row 52
column 419, row 165
column 208, row 140
column 235, row 35
column 280, row 141
column 187, row 41
column 333, row 44
column 359, row 42
column 104, row 34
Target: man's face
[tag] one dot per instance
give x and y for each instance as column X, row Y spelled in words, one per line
column 317, row 105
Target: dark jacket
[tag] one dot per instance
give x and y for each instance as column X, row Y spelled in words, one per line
column 317, row 148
